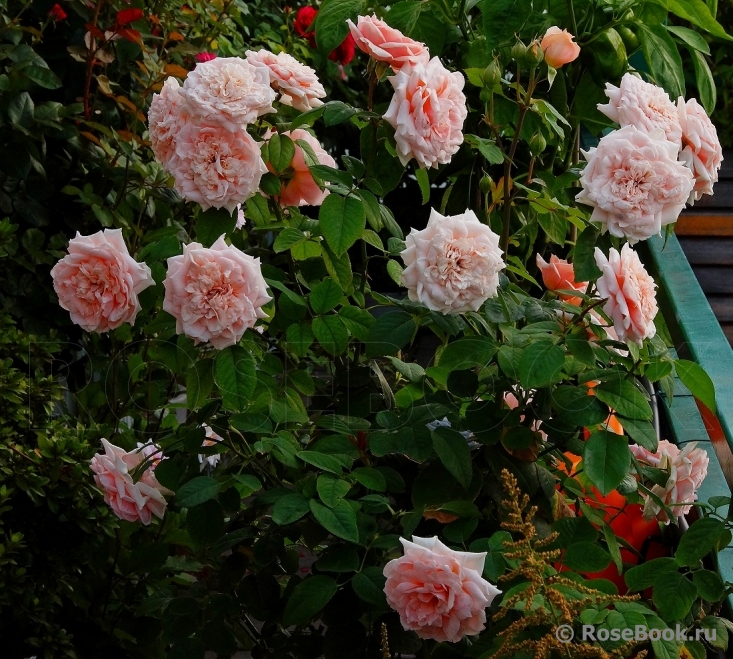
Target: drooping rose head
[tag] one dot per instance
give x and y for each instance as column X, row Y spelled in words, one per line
column 453, row 264
column 439, row 593
column 643, row 105
column 297, row 83
column 301, row 189
column 214, row 293
column 229, row 90
column 98, row 281
column 559, row 47
column 634, row 183
column 166, row 116
column 130, row 500
column 385, row 44
column 631, row 293
column 427, row 112
column 687, row 470
column 303, row 20
column 558, row 275
column 214, row 166
column 701, row 150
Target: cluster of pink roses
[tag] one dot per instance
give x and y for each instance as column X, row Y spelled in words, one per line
column 640, row 177
column 199, row 132
column 428, row 107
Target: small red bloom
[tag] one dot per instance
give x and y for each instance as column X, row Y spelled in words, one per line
column 204, row 57
column 303, row 20
column 344, row 53
column 56, row 13
column 128, row 16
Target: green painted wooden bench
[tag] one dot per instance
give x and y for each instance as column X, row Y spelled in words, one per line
column 697, row 336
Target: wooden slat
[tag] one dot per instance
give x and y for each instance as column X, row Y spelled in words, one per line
column 708, row 250
column 723, row 197
column 722, row 307
column 713, row 279
column 703, row 224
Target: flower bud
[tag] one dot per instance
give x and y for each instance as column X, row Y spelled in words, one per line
column 534, row 54
column 519, row 50
column 485, row 95
column 492, row 75
column 537, row 144
column 485, row 184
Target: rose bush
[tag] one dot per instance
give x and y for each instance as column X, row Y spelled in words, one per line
column 340, row 341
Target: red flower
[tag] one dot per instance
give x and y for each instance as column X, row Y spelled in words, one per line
column 128, row 16
column 56, row 13
column 204, row 57
column 303, row 20
column 344, row 53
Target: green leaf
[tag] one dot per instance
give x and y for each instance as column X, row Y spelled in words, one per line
column 235, row 374
column 325, row 296
column 342, row 221
column 196, row 491
column 199, row 382
column 423, row 181
column 369, row 585
column 704, row 81
column 370, row 478
column 455, row 454
column 339, row 520
column 624, row 397
column 699, row 540
column 586, row 557
column 332, row 175
column 331, row 490
column 413, row 372
column 308, row 598
column 487, row 148
column 391, row 332
column 697, row 381
column 642, row 432
column 613, row 548
column 584, row 263
column 20, row 109
column 339, row 559
column 665, row 63
column 606, row 459
column 467, row 352
column 212, row 224
column 289, row 509
column 503, row 19
column 339, row 267
column 322, row 461
column 357, row 321
column 331, row 334
column 330, row 25
column 673, row 595
column 43, row 77
column 205, row 523
column 693, row 39
column 299, row 338
column 643, row 576
column 281, row 150
column 394, row 270
column 541, row 364
column 287, row 238
column 698, row 13
column 709, row 585
column 576, row 406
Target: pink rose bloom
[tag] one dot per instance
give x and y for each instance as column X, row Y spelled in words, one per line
column 687, row 470
column 129, row 500
column 385, row 44
column 301, row 189
column 215, row 293
column 559, row 275
column 297, row 83
column 631, row 293
column 634, row 183
column 701, row 150
column 559, row 47
column 166, row 116
column 214, row 166
column 241, row 221
column 453, row 264
column 643, row 105
column 427, row 112
column 98, row 281
column 438, row 592
column 204, row 57
column 229, row 90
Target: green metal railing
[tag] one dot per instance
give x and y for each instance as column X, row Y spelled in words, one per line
column 697, row 336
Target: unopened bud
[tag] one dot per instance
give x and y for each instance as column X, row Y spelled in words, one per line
column 519, row 50
column 492, row 75
column 537, row 144
column 534, row 55
column 485, row 184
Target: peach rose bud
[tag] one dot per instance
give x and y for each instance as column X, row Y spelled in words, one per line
column 559, row 47
column 439, row 593
column 558, row 275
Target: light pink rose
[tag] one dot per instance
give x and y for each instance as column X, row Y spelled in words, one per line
column 643, row 105
column 453, row 264
column 301, row 189
column 701, row 150
column 427, row 112
column 166, row 116
column 241, row 221
column 386, row 44
column 438, row 592
column 214, row 166
column 687, row 470
column 215, row 293
column 559, row 47
column 297, row 83
column 634, row 183
column 129, row 500
column 631, row 293
column 98, row 281
column 229, row 90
